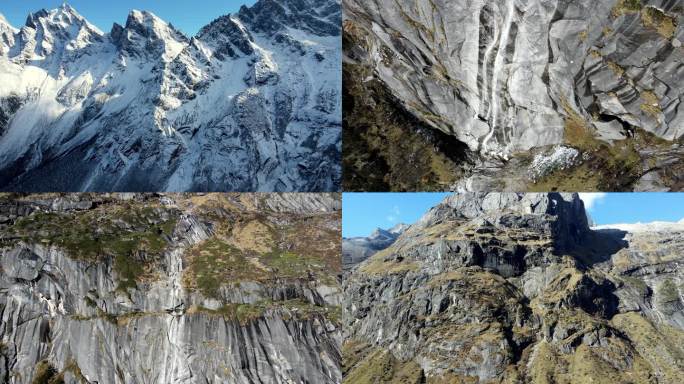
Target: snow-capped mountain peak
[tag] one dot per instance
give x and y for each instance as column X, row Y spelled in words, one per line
column 227, row 37
column 380, row 234
column 392, row 233
column 147, row 35
column 399, row 228
column 50, row 37
column 66, row 16
column 4, row 24
column 145, row 108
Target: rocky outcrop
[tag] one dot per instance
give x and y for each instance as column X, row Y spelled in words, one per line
column 509, row 77
column 318, row 17
column 302, row 203
column 515, row 288
column 168, row 289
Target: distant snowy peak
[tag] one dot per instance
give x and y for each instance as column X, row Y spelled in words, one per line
column 146, row 35
column 7, row 32
column 656, row 226
column 381, row 234
column 399, row 228
column 54, row 34
column 320, row 17
column 64, row 17
column 391, row 233
column 357, row 249
column 5, row 26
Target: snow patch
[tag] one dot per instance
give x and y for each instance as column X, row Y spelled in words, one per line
column 561, row 158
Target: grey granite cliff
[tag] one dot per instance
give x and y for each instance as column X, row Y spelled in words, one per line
column 169, row 288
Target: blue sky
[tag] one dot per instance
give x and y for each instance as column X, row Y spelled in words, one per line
column 363, row 212
column 188, row 16
column 615, row 208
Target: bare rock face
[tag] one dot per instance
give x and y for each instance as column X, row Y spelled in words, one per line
column 302, row 203
column 516, row 288
column 503, row 75
column 506, row 77
column 169, row 289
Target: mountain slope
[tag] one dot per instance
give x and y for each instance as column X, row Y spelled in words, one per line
column 492, row 288
column 174, row 288
column 357, row 249
column 513, row 80
column 239, row 107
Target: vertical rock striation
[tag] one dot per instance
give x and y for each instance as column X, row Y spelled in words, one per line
column 169, row 289
column 506, row 77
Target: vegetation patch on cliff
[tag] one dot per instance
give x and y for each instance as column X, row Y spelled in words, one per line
column 45, row 373
column 651, row 17
column 260, row 248
column 661, row 345
column 385, row 146
column 379, row 265
column 215, row 263
column 664, row 24
column 134, row 235
column 651, row 104
column 605, row 167
column 367, row 365
column 625, row 7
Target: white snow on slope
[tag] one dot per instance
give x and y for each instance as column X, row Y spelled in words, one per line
column 6, row 24
column 242, row 108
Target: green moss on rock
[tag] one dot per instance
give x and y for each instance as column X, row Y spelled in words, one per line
column 132, row 235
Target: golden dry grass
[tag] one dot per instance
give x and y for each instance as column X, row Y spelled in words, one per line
column 651, row 104
column 654, row 18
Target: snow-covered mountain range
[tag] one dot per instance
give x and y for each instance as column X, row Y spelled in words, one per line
column 357, row 249
column 252, row 103
column 656, row 226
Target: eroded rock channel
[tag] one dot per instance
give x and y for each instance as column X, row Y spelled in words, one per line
column 505, row 86
column 173, row 288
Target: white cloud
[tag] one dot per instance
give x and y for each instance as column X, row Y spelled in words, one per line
column 393, row 216
column 591, row 199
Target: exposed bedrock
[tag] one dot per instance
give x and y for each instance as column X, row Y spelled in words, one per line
column 169, row 289
column 506, row 76
column 497, row 287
